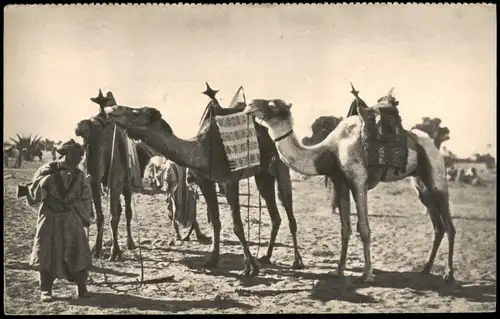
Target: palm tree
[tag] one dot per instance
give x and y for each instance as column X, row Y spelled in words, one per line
column 28, row 147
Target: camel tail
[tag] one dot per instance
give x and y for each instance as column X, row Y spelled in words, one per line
column 431, row 168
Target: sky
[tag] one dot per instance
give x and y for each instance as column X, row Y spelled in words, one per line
column 441, row 59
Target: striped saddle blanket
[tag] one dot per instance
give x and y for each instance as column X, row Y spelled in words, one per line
column 239, row 138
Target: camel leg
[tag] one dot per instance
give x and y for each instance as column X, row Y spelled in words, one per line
column 425, row 198
column 341, row 200
column 265, row 185
column 96, row 196
column 443, row 207
column 360, row 194
column 127, row 194
column 433, row 175
column 207, row 188
column 285, row 195
column 200, row 237
column 177, row 232
column 233, row 199
column 116, row 210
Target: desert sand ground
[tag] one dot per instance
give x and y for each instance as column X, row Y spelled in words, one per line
column 401, row 241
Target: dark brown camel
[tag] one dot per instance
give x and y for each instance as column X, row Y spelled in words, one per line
column 205, row 154
column 97, row 133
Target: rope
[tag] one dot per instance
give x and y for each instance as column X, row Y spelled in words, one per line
column 248, row 191
column 248, row 182
column 260, row 218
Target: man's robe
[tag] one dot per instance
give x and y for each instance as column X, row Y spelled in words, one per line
column 60, row 246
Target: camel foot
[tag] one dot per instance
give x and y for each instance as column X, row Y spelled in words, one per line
column 204, row 240
column 115, row 255
column 96, row 253
column 337, row 273
column 449, row 277
column 211, row 263
column 265, row 260
column 251, row 270
column 426, row 270
column 131, row 245
column 298, row 264
column 365, row 278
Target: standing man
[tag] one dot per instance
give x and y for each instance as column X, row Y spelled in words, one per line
column 61, row 249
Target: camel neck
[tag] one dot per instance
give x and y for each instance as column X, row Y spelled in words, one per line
column 298, row 157
column 186, row 153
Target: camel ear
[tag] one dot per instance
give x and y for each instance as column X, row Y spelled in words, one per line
column 391, row 92
column 288, row 105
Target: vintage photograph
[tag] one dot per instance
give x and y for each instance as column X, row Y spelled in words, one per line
column 233, row 159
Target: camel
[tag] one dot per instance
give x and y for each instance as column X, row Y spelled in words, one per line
column 168, row 177
column 342, row 159
column 8, row 152
column 97, row 133
column 205, row 155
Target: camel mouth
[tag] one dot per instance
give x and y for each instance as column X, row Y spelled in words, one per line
column 111, row 111
column 117, row 115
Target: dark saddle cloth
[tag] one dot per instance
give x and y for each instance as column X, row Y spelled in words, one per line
column 384, row 138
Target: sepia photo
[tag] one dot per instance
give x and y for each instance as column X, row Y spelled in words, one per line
column 236, row 158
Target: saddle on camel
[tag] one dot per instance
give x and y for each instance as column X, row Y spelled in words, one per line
column 236, row 135
column 226, row 150
column 383, row 136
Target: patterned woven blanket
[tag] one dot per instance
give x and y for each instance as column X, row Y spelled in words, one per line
column 240, row 140
column 385, row 141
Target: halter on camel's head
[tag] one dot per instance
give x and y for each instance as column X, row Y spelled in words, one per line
column 86, row 128
column 389, row 100
column 268, row 110
column 102, row 101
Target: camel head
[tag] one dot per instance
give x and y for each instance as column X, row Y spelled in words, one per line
column 444, row 134
column 389, row 99
column 269, row 113
column 83, row 129
column 138, row 122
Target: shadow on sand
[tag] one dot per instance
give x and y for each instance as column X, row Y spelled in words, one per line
column 329, row 287
column 109, row 271
column 230, row 266
column 125, row 302
column 252, row 243
column 481, row 219
column 95, row 269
